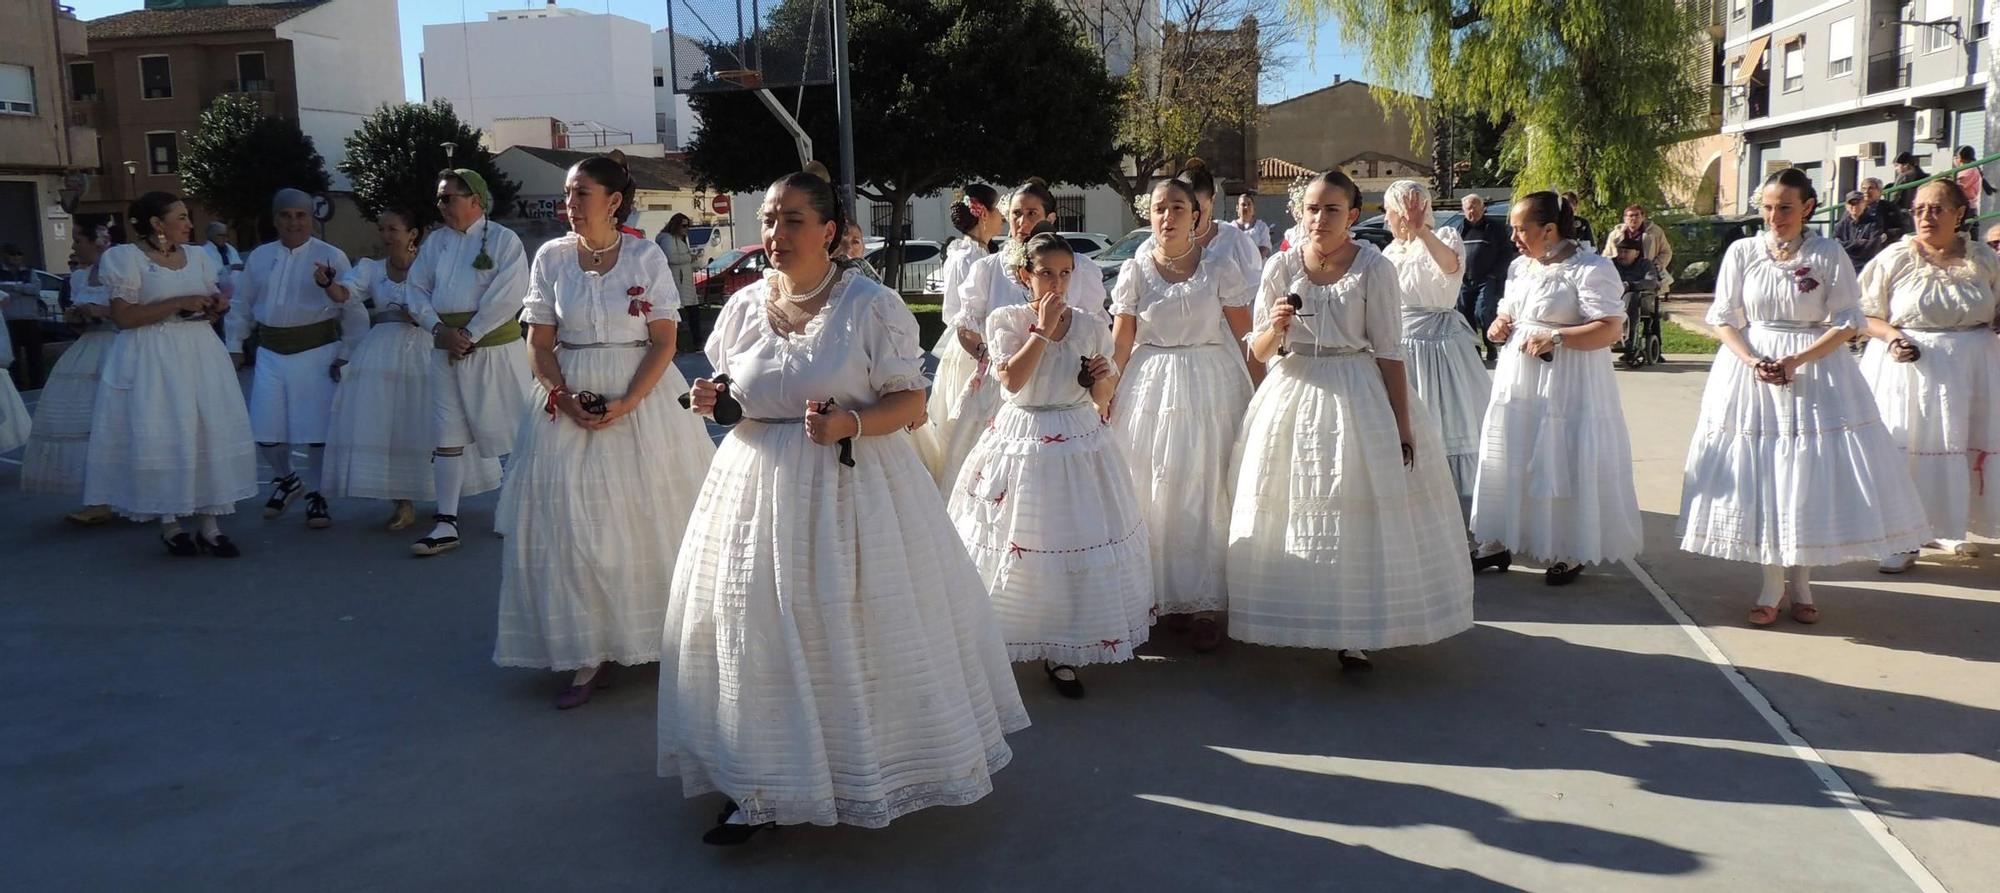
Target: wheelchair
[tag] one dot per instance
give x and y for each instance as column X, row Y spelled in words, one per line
column 1641, row 343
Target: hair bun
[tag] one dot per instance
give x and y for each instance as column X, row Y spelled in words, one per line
column 962, row 218
column 1039, row 182
column 617, row 155
column 1194, row 164
column 818, row 170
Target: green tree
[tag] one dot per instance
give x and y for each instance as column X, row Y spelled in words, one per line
column 944, row 92
column 1595, row 92
column 394, row 157
column 237, row 158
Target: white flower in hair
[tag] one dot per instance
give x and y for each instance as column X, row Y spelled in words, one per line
column 1014, row 254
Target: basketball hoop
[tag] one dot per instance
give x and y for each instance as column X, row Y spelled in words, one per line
column 742, row 78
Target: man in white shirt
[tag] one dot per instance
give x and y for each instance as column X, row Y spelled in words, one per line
column 227, row 258
column 303, row 338
column 467, row 286
column 1258, row 230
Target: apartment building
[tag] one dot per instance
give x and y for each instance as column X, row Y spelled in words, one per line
column 45, row 154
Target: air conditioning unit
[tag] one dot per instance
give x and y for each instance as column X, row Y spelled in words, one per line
column 1929, row 125
column 1861, row 150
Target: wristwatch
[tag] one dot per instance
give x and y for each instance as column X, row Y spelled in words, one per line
column 1557, row 338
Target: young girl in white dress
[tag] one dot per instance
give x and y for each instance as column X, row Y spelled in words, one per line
column 602, row 480
column 1934, row 366
column 1790, row 466
column 379, row 436
column 1346, row 527
column 1045, row 502
column 977, row 218
column 830, row 655
column 59, row 446
column 170, row 434
column 1440, row 349
column 1555, row 462
column 988, row 286
column 1230, row 251
column 1177, row 314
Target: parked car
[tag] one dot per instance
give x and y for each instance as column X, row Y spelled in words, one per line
column 1087, row 244
column 1110, row 259
column 1698, row 245
column 921, row 258
column 729, row 273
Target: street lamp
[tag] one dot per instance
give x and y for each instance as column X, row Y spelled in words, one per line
column 131, row 179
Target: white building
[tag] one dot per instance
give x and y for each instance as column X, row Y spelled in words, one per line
column 578, row 67
column 672, row 116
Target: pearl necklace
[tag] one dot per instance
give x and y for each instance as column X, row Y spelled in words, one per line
column 1784, row 250
column 1160, row 252
column 785, row 291
column 597, row 254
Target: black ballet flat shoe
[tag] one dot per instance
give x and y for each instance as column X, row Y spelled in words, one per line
column 1070, row 688
column 1355, row 662
column 317, row 516
column 180, row 545
column 725, row 834
column 220, row 548
column 1500, row 560
column 1562, row 574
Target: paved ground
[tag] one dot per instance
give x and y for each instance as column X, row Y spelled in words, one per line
column 322, row 714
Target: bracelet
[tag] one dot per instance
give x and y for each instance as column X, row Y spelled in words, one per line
column 857, row 421
column 1037, row 333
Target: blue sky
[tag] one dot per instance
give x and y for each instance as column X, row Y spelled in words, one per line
column 1303, row 71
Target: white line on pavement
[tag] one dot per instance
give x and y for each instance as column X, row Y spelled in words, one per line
column 1830, row 780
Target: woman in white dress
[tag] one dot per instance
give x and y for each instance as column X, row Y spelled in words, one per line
column 379, row 436
column 1045, row 502
column 1346, row 528
column 1934, row 366
column 170, row 433
column 977, row 219
column 1229, row 251
column 989, row 285
column 57, row 449
column 829, row 653
column 1790, row 466
column 1178, row 312
column 16, row 426
column 601, row 481
column 1555, row 462
column 1440, row 349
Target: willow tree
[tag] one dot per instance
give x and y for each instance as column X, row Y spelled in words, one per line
column 1596, row 93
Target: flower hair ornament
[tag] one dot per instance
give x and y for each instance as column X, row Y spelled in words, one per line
column 1295, row 194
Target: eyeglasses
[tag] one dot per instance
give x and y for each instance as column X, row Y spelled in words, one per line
column 444, row 198
column 1928, row 210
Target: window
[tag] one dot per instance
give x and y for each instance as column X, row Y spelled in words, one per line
column 1840, row 48
column 17, row 90
column 82, row 81
column 156, row 78
column 1069, row 213
column 1936, row 38
column 250, row 76
column 1795, row 64
column 1736, row 8
column 659, row 77
column 163, row 152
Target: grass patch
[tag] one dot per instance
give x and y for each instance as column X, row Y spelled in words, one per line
column 1678, row 339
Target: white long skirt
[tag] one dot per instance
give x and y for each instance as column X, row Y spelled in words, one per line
column 594, row 519
column 1796, row 475
column 1940, row 411
column 1334, row 542
column 170, row 434
column 1045, row 507
column 15, row 424
column 967, row 402
column 380, row 438
column 1447, row 376
column 1176, row 416
column 1555, row 462
column 829, row 653
column 58, row 447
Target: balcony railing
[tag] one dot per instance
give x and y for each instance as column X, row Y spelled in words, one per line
column 1889, row 70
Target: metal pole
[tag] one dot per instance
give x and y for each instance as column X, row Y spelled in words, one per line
column 845, row 104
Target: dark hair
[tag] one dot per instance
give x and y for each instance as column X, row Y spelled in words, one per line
column 153, row 204
column 1630, row 244
column 1795, row 179
column 820, row 197
column 1182, row 185
column 1042, row 244
column 1339, row 179
column 1906, row 158
column 1039, row 188
column 1546, row 207
column 1195, row 174
column 1966, row 154
column 679, row 220
column 609, row 171
column 1957, row 195
column 409, row 219
column 962, row 218
column 87, row 224
column 1635, row 206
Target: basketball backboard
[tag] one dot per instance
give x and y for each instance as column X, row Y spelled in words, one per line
column 726, row 45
